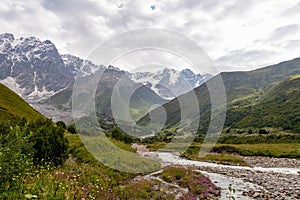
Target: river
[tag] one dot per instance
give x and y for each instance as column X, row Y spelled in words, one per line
column 256, row 182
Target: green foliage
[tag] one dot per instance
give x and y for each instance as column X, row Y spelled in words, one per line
column 72, row 129
column 15, row 157
column 171, row 174
column 220, row 156
column 81, row 177
column 24, row 145
column 12, row 106
column 194, row 181
column 265, row 97
column 61, row 124
column 263, row 131
column 140, row 189
column 49, row 143
column 117, row 134
column 278, row 107
column 259, row 139
column 280, row 150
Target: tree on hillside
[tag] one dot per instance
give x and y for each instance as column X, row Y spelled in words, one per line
column 49, row 142
column 72, row 129
column 61, row 124
column 263, row 131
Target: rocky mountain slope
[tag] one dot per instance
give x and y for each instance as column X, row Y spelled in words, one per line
column 35, row 70
column 32, row 68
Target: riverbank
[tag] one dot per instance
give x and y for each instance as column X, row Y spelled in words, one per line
column 269, row 182
column 265, row 178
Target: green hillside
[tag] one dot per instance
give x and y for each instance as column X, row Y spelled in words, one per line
column 142, row 98
column 278, row 107
column 11, row 106
column 244, row 90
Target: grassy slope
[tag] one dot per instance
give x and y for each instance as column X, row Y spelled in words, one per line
column 11, row 105
column 83, row 177
column 278, row 107
column 243, row 90
column 141, row 97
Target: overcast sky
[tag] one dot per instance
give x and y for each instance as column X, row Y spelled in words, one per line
column 236, row 34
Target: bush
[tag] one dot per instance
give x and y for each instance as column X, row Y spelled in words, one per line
column 49, row 143
column 23, row 145
column 72, row 129
column 119, row 135
column 15, row 157
column 61, row 124
column 263, row 131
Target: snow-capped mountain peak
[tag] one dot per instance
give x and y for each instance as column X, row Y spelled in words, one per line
column 34, row 66
column 35, row 70
column 169, row 82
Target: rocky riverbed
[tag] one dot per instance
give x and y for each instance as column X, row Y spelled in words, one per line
column 268, row 183
column 259, row 161
column 273, row 185
column 266, row 178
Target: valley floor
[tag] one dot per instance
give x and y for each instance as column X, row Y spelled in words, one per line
column 263, row 178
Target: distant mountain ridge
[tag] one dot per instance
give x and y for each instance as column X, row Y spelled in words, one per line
column 169, row 83
column 245, row 92
column 142, row 97
column 33, row 67
column 35, row 70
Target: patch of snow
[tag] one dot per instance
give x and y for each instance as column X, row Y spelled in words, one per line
column 199, row 83
column 15, row 43
column 12, row 66
column 40, row 94
column 174, row 76
column 11, row 83
column 145, row 79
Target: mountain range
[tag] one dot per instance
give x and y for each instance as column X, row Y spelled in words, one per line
column 170, row 83
column 36, row 71
column 259, row 98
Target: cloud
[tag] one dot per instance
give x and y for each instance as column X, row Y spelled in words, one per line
column 247, row 59
column 286, row 31
column 236, row 34
column 293, row 10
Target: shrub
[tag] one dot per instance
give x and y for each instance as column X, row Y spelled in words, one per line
column 49, row 143
column 61, row 124
column 119, row 135
column 263, row 131
column 15, row 157
column 72, row 129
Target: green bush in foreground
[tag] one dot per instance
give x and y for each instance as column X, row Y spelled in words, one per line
column 25, row 145
column 49, row 143
column 15, row 157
